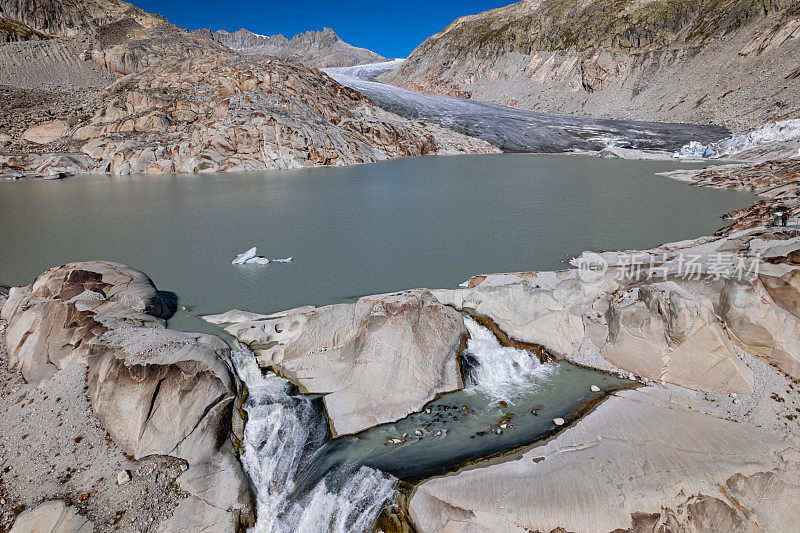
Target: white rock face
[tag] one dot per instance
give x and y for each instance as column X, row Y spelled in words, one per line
column 375, row 361
column 52, row 517
column 719, row 473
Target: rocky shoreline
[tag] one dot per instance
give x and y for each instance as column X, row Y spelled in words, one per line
column 716, row 355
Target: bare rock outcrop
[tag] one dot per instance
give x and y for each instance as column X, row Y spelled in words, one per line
column 155, row 391
column 67, row 18
column 644, row 313
column 610, row 472
column 51, row 322
column 375, row 361
column 226, row 114
column 183, row 102
column 660, row 332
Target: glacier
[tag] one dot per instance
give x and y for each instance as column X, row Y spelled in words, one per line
column 771, row 132
column 519, row 130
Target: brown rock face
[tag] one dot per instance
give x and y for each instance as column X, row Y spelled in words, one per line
column 223, row 113
column 46, row 132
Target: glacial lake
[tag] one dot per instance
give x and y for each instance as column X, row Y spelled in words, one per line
column 416, row 222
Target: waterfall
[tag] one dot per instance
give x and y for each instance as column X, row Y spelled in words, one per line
column 499, row 370
column 298, row 488
column 282, row 434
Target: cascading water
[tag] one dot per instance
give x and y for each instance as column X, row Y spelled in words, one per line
column 305, row 484
column 498, row 370
column 282, row 434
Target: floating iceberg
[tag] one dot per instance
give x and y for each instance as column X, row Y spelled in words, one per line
column 781, row 131
column 251, row 257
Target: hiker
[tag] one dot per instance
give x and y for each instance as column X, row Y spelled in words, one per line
column 778, row 218
column 785, row 218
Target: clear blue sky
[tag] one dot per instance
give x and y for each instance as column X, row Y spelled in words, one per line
column 392, row 29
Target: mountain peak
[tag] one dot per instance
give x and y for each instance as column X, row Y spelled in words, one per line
column 313, row 48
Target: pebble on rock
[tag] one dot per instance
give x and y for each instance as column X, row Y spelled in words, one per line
column 123, row 477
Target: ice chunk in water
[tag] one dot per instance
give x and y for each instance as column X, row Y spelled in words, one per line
column 250, row 257
column 245, row 257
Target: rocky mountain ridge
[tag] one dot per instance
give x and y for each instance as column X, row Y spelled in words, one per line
column 731, row 62
column 182, row 102
column 317, row 49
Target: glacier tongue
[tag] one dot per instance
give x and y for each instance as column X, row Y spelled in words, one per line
column 519, row 130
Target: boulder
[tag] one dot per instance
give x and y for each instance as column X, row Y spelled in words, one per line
column 665, row 333
column 52, row 322
column 152, row 387
column 114, row 281
column 375, row 361
column 46, row 132
column 52, row 517
column 610, row 471
column 164, row 392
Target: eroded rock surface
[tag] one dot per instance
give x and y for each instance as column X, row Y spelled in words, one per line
column 156, row 392
column 648, row 313
column 642, row 461
column 188, row 103
column 52, row 517
column 375, row 361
